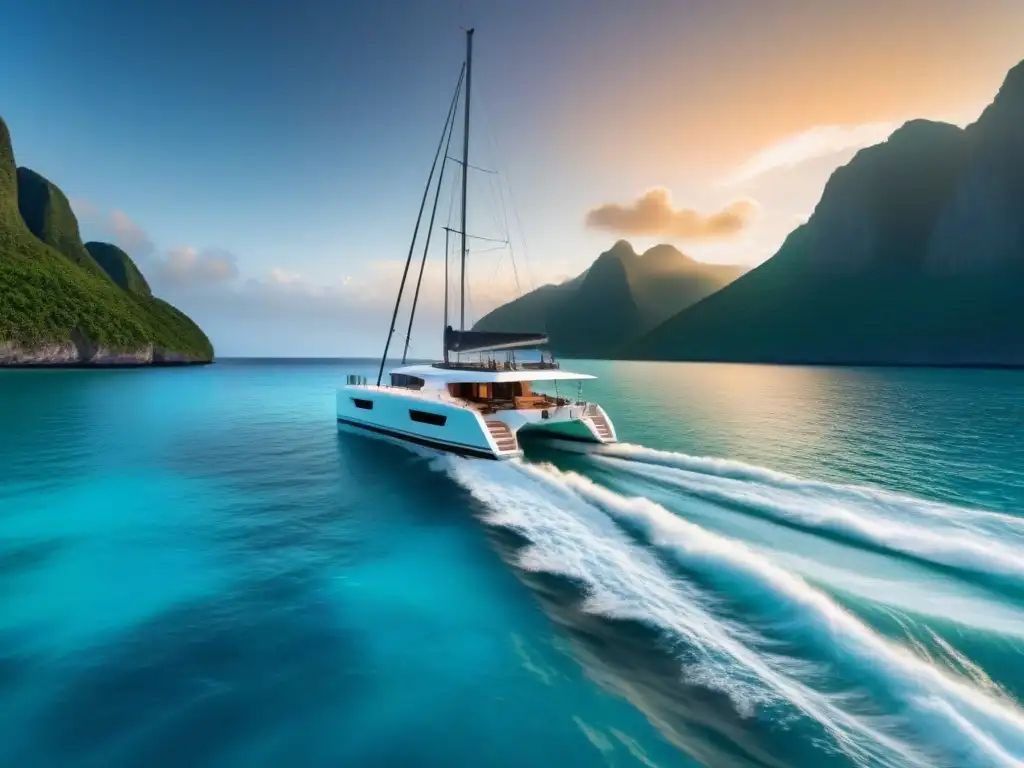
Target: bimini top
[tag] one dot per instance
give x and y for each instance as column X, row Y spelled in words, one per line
column 478, row 375
column 486, row 341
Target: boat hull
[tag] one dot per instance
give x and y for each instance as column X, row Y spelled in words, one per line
column 403, row 438
column 419, row 418
column 434, row 421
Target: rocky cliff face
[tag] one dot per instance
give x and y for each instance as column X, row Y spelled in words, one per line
column 80, row 352
column 981, row 226
column 878, row 211
column 915, row 255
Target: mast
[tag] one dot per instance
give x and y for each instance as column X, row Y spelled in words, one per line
column 447, row 254
column 465, row 174
column 448, row 123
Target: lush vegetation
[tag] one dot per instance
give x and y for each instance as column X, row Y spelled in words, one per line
column 48, row 215
column 119, row 267
column 53, row 290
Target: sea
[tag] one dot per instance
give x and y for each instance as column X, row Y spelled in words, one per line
column 776, row 566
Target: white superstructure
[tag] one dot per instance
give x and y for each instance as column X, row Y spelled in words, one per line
column 471, row 411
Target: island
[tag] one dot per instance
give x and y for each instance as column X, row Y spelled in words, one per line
column 68, row 303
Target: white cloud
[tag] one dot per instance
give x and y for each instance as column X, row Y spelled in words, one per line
column 116, row 226
column 283, row 277
column 817, row 142
column 186, row 266
column 129, row 235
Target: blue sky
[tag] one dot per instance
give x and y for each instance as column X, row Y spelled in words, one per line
column 263, row 161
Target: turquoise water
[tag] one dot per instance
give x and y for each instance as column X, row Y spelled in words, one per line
column 781, row 567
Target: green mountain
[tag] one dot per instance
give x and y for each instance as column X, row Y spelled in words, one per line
column 66, row 303
column 621, row 296
column 119, row 267
column 914, row 255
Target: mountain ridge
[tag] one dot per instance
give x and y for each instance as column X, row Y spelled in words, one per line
column 619, row 296
column 914, row 255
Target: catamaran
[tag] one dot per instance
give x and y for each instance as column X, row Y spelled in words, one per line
column 489, row 386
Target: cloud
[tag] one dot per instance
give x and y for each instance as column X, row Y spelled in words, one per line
column 283, row 277
column 653, row 214
column 285, row 312
column 185, row 266
column 817, row 142
column 85, row 209
column 129, row 235
column 116, row 225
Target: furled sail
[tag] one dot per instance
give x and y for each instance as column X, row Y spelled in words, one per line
column 483, row 341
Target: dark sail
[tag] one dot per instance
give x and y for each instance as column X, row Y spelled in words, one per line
column 483, row 341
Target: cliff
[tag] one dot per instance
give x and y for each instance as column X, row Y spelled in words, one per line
column 914, row 255
column 63, row 303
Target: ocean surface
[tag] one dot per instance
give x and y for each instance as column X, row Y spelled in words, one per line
column 777, row 567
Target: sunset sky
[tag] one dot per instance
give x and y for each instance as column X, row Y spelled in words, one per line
column 263, row 161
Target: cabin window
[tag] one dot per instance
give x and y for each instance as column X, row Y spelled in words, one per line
column 506, row 390
column 366, row 405
column 405, row 381
column 488, row 391
column 423, row 417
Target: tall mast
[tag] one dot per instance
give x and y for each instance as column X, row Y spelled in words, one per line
column 465, row 172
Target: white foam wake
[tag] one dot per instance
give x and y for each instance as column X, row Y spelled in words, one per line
column 987, row 543
column 982, row 727
column 570, row 536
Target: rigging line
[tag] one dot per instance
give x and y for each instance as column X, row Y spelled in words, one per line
column 511, row 193
column 415, row 231
column 433, row 213
column 477, row 237
column 474, row 167
column 508, row 234
column 496, row 208
column 465, row 162
column 498, row 195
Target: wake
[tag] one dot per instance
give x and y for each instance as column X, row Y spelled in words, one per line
column 581, row 530
column 981, row 542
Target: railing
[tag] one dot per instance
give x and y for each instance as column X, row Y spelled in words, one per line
column 355, row 379
column 494, row 365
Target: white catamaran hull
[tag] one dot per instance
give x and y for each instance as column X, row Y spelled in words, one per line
column 432, row 420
